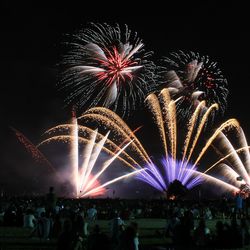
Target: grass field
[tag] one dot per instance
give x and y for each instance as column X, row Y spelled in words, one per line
column 150, row 234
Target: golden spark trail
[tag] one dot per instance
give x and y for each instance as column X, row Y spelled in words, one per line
column 172, row 125
column 156, row 111
column 110, row 118
column 68, row 138
column 59, row 127
column 200, row 128
column 165, row 101
column 110, row 115
column 165, row 97
column 191, row 125
column 125, row 141
column 111, row 145
column 114, row 127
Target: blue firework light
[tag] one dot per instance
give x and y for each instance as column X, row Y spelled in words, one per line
column 194, row 77
column 170, row 170
column 107, row 66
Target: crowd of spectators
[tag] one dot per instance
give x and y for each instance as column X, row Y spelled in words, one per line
column 74, row 222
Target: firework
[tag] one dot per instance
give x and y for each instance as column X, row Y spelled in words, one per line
column 174, row 166
column 170, row 170
column 82, row 177
column 234, row 166
column 195, row 78
column 107, row 66
column 84, row 132
column 33, row 150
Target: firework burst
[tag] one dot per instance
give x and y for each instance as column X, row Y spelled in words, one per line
column 195, row 78
column 174, row 166
column 108, row 67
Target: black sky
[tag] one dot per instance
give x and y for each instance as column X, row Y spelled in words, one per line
column 31, row 37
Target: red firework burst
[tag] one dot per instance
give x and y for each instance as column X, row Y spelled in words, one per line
column 117, row 67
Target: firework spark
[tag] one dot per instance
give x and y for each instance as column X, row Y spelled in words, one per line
column 107, row 67
column 195, row 78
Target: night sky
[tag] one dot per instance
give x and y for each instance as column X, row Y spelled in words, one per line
column 31, row 37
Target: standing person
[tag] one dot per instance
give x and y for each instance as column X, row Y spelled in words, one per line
column 201, row 235
column 39, row 210
column 238, row 205
column 29, row 220
column 44, row 226
column 92, row 214
column 51, row 200
column 66, row 238
column 117, row 227
column 130, row 238
column 79, row 224
column 247, row 206
column 134, row 225
column 91, row 217
column 98, row 240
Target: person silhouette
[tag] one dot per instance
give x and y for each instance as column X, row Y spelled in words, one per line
column 51, row 200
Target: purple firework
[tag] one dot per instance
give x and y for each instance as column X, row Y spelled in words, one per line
column 171, row 170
